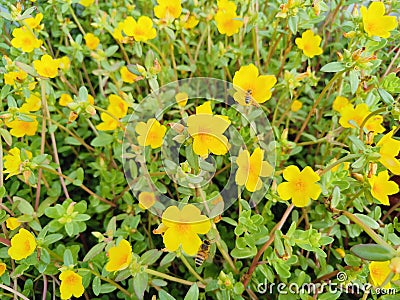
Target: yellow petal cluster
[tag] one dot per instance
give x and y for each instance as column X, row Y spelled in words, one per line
column 23, row 244
column 141, row 30
column 379, row 271
column 381, row 187
column 300, row 186
column 150, row 133
column 207, row 131
column 91, row 41
column 117, row 109
column 309, row 43
column 168, row 9
column 25, row 39
column 119, row 256
column 389, row 149
column 357, row 115
column 13, row 161
column 47, row 66
column 12, row 223
column 71, row 284
column 227, row 19
column 182, row 228
column 247, row 82
column 375, row 22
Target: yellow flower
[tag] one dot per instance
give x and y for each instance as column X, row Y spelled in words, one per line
column 339, row 103
column 128, row 76
column 33, row 103
column 345, row 165
column 146, row 200
column 226, row 18
column 183, row 227
column 71, row 284
column 86, row 3
column 64, row 62
column 309, row 43
column 301, row 186
column 189, row 21
column 91, row 41
column 168, row 9
column 65, row 99
column 25, row 39
column 379, row 271
column 207, row 131
column 150, row 133
column 119, row 257
column 21, row 128
column 13, row 161
column 3, row 268
column 34, row 23
column 142, row 30
column 357, row 115
column 12, row 223
column 296, row 105
column 381, row 187
column 117, row 33
column 46, row 66
column 341, row 252
column 389, row 149
column 248, row 82
column 251, row 168
column 118, row 106
column 22, row 245
column 11, row 78
column 375, row 22
column 181, row 98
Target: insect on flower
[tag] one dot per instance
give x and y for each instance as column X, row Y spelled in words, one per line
column 247, row 97
column 203, row 253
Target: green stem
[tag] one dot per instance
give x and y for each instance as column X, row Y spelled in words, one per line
column 112, row 282
column 172, row 278
column 338, row 162
column 320, row 97
column 16, row 293
column 377, row 238
column 191, row 270
column 378, row 111
column 76, row 20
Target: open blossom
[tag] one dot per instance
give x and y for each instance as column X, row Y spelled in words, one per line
column 11, row 78
column 12, row 223
column 248, row 82
column 32, row 103
column 150, row 133
column 13, row 161
column 227, row 19
column 375, row 22
column 309, row 43
column 141, row 30
column 25, row 39
column 389, row 149
column 251, row 168
column 86, row 3
column 34, row 22
column 296, row 105
column 21, row 128
column 119, row 256
column 91, row 41
column 183, row 227
column 189, row 21
column 71, row 285
column 300, row 186
column 381, row 187
column 379, row 271
column 207, row 131
column 168, row 9
column 22, row 245
column 117, row 109
column 46, row 66
column 357, row 115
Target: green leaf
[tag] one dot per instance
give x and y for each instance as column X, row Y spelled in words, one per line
column 83, row 93
column 97, row 249
column 373, row 252
column 333, row 67
column 2, row 192
column 163, row 295
column 150, row 257
column 293, row 23
column 96, row 286
column 103, row 139
column 354, row 81
column 335, row 196
column 167, row 259
column 107, row 288
column 140, row 282
column 244, row 253
column 68, row 258
column 24, row 206
column 6, row 136
column 193, row 293
column 368, row 221
column 111, row 50
column 386, row 97
column 192, row 158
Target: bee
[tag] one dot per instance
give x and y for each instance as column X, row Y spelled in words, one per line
column 247, row 97
column 203, row 253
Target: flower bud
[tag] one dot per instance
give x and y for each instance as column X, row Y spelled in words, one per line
column 395, row 265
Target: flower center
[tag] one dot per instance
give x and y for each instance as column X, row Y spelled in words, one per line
column 300, row 185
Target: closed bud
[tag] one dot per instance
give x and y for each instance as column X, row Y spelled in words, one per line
column 90, row 110
column 177, row 127
column 395, row 265
column 72, row 116
column 358, row 176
